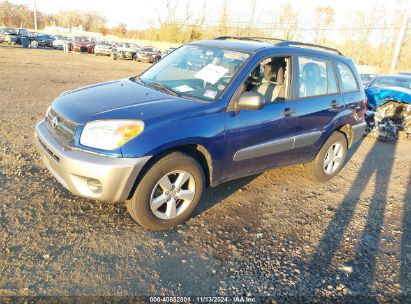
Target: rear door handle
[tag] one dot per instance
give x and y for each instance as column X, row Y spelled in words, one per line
column 288, row 112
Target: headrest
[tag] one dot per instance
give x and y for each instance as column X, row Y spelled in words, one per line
column 280, row 76
column 311, row 70
column 268, row 72
column 274, row 72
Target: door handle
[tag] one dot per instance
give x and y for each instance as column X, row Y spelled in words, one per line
column 334, row 104
column 288, row 112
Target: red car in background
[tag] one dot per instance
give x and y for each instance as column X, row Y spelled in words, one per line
column 83, row 44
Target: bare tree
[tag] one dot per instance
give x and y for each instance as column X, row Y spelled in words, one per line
column 223, row 21
column 288, row 22
column 250, row 26
column 323, row 18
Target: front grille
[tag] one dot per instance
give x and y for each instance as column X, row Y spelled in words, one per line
column 83, row 49
column 64, row 127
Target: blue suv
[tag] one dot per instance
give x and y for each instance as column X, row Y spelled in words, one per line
column 209, row 112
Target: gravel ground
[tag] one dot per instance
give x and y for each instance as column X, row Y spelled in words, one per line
column 276, row 234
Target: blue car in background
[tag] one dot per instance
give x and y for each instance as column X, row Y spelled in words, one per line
column 209, row 112
column 386, row 88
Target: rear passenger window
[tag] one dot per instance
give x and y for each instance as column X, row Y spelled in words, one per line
column 349, row 83
column 316, row 77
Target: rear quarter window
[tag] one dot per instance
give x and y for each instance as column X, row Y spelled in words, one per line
column 349, row 83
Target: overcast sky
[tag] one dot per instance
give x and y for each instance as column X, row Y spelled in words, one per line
column 139, row 13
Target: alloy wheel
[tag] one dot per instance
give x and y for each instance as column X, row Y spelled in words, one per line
column 333, row 158
column 172, row 194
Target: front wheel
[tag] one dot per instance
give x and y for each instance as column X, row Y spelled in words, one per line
column 330, row 159
column 168, row 192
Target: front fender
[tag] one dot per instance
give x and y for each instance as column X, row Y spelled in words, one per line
column 205, row 130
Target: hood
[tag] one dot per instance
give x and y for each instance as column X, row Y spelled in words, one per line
column 148, row 53
column 377, row 96
column 103, row 46
column 120, row 99
column 123, row 48
column 83, row 43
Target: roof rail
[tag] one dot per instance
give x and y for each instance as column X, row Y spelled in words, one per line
column 282, row 42
column 248, row 38
column 297, row 43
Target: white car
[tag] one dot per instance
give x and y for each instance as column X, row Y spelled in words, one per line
column 103, row 48
column 125, row 50
column 59, row 41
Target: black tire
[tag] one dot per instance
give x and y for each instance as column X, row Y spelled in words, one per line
column 139, row 205
column 316, row 167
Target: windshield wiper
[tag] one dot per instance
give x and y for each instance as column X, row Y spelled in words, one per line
column 164, row 88
column 138, row 78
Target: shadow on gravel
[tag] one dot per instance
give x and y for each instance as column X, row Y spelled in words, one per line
column 353, row 149
column 362, row 277
column 213, row 196
column 405, row 272
column 363, row 264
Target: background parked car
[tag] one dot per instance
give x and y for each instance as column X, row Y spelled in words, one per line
column 103, row 48
column 43, row 40
column 14, row 35
column 168, row 51
column 83, row 44
column 125, row 50
column 4, row 32
column 59, row 41
column 366, row 78
column 148, row 54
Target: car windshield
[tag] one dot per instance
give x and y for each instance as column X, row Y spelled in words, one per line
column 404, row 82
column 148, row 49
column 199, row 72
column 83, row 39
column 104, row 43
column 11, row 31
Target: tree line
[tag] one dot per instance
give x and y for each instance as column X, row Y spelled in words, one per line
column 366, row 36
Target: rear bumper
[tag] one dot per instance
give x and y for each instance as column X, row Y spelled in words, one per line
column 76, row 170
column 358, row 131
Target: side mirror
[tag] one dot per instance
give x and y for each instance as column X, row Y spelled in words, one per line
column 250, row 101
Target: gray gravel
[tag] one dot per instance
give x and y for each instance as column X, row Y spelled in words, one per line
column 278, row 234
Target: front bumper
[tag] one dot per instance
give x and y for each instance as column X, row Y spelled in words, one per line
column 83, row 49
column 76, row 169
column 146, row 58
column 102, row 51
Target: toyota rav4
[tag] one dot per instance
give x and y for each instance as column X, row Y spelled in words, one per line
column 209, row 112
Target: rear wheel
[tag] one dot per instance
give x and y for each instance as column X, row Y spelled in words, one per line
column 330, row 159
column 168, row 192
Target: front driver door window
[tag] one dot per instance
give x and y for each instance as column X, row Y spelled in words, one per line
column 258, row 139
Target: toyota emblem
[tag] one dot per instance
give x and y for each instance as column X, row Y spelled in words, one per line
column 55, row 122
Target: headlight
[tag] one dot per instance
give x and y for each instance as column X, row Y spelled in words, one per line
column 110, row 134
